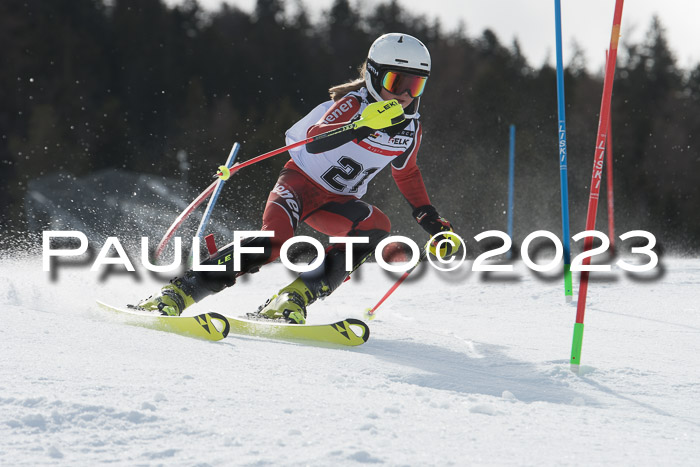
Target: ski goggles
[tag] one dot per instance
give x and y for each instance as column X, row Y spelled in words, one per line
column 398, row 83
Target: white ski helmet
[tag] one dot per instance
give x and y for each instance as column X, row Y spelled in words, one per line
column 396, row 52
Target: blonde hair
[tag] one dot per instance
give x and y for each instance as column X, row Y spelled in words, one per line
column 338, row 91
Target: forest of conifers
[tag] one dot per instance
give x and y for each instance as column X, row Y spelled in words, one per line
column 93, row 84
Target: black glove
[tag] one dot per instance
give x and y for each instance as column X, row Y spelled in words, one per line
column 428, row 218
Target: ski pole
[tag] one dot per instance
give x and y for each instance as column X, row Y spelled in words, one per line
column 376, row 116
column 392, row 114
column 370, row 313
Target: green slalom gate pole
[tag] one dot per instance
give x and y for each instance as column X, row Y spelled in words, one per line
column 596, row 179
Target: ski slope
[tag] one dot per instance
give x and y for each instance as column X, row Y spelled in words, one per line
column 460, row 369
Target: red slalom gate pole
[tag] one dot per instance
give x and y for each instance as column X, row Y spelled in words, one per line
column 389, row 113
column 609, row 177
column 596, row 178
column 211, row 188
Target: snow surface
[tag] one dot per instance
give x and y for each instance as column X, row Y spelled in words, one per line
column 460, row 369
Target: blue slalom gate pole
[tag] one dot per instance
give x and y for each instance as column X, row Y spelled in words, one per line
column 511, row 180
column 568, row 287
column 212, row 201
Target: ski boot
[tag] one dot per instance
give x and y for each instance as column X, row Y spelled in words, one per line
column 173, row 298
column 289, row 304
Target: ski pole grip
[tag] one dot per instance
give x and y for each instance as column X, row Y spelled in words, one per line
column 379, row 115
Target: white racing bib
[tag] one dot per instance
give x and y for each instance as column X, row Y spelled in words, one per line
column 348, row 169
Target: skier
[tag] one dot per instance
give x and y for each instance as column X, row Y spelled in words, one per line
column 323, row 182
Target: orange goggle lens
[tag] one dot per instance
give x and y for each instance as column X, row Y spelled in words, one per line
column 398, row 83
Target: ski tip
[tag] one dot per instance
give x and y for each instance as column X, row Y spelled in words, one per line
column 226, row 326
column 362, row 328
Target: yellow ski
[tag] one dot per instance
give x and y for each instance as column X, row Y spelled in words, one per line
column 214, row 326
column 202, row 326
column 347, row 332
